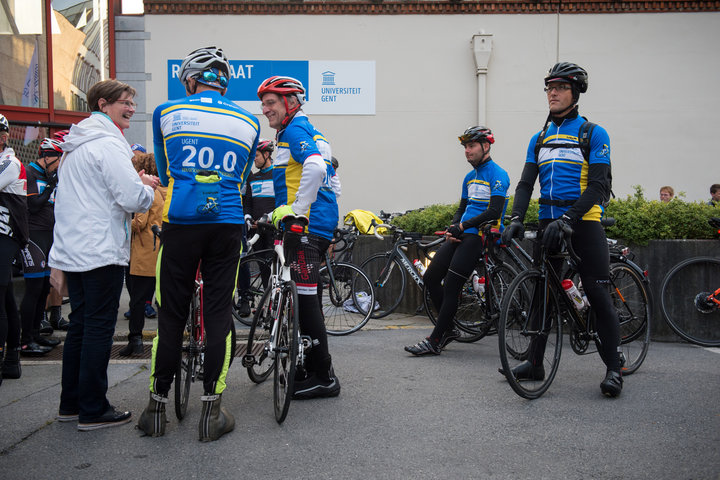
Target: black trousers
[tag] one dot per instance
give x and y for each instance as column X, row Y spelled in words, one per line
column 216, row 248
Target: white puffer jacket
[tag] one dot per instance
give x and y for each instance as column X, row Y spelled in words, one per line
column 98, row 190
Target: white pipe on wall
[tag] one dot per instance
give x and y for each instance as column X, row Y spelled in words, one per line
column 482, row 48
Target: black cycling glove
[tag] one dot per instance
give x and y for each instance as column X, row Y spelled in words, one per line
column 553, row 234
column 514, row 230
column 454, row 230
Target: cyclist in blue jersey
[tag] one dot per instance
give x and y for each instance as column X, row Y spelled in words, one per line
column 204, row 147
column 302, row 173
column 484, row 198
column 574, row 184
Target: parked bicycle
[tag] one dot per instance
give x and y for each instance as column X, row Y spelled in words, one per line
column 348, row 296
column 690, row 298
column 388, row 271
column 252, row 278
column 274, row 342
column 536, row 305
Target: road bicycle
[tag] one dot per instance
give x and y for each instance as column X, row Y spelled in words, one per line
column 388, row 271
column 274, row 342
column 690, row 298
column 479, row 307
column 253, row 273
column 535, row 307
column 348, row 296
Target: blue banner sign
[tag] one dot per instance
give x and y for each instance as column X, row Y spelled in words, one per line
column 246, row 77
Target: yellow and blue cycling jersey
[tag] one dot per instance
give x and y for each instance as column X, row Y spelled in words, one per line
column 481, row 183
column 564, row 171
column 300, row 147
column 204, row 149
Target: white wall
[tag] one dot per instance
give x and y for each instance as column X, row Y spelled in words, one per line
column 653, row 81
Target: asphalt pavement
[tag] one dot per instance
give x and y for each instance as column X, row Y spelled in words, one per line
column 398, row 416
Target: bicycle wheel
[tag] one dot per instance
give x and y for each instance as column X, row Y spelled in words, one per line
column 469, row 318
column 500, row 277
column 347, row 300
column 689, row 298
column 530, row 322
column 258, row 270
column 632, row 303
column 185, row 373
column 286, row 350
column 388, row 281
column 257, row 360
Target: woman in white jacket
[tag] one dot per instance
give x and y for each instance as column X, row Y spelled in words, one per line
column 98, row 189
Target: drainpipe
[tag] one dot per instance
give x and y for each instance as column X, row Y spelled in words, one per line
column 482, row 48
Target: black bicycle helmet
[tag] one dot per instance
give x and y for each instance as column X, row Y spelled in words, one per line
column 4, row 125
column 574, row 74
column 477, row 134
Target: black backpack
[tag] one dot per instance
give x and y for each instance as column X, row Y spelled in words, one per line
column 584, row 136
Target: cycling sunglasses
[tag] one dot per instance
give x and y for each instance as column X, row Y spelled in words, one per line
column 212, row 76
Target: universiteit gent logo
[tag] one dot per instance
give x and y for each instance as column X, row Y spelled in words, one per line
column 328, row 78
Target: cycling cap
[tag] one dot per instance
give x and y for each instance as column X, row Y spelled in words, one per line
column 568, row 72
column 265, row 146
column 60, row 135
column 4, row 125
column 136, row 147
column 50, row 147
column 477, row 134
column 282, row 86
column 204, row 59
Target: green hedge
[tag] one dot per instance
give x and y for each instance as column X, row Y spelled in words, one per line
column 638, row 220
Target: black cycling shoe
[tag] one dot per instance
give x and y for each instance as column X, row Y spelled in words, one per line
column 316, row 387
column 449, row 336
column 425, row 347
column 526, row 371
column 47, row 341
column 45, row 327
column 32, row 349
column 244, row 308
column 611, row 386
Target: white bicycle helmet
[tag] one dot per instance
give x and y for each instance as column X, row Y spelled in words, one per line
column 4, row 125
column 201, row 60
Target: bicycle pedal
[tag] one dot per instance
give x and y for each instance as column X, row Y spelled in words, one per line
column 248, row 360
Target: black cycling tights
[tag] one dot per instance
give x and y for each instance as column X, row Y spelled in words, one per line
column 33, row 306
column 447, row 273
column 590, row 244
column 9, row 319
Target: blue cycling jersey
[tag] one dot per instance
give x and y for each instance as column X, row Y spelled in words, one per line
column 564, row 171
column 298, row 143
column 204, row 150
column 481, row 183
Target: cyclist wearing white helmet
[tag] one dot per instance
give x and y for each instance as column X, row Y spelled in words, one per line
column 302, row 174
column 483, row 198
column 571, row 158
column 204, row 146
column 41, row 183
column 13, row 237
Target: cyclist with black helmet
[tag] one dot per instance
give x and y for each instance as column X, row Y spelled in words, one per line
column 204, row 145
column 259, row 199
column 13, row 237
column 483, row 198
column 41, row 183
column 302, row 173
column 574, row 183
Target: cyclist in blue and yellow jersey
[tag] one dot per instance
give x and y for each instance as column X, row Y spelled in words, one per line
column 302, row 173
column 571, row 157
column 204, row 148
column 484, row 198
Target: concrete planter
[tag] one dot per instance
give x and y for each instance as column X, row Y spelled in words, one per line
column 658, row 257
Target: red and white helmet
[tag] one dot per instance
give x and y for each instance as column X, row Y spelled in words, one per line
column 50, row 147
column 282, row 86
column 265, row 145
